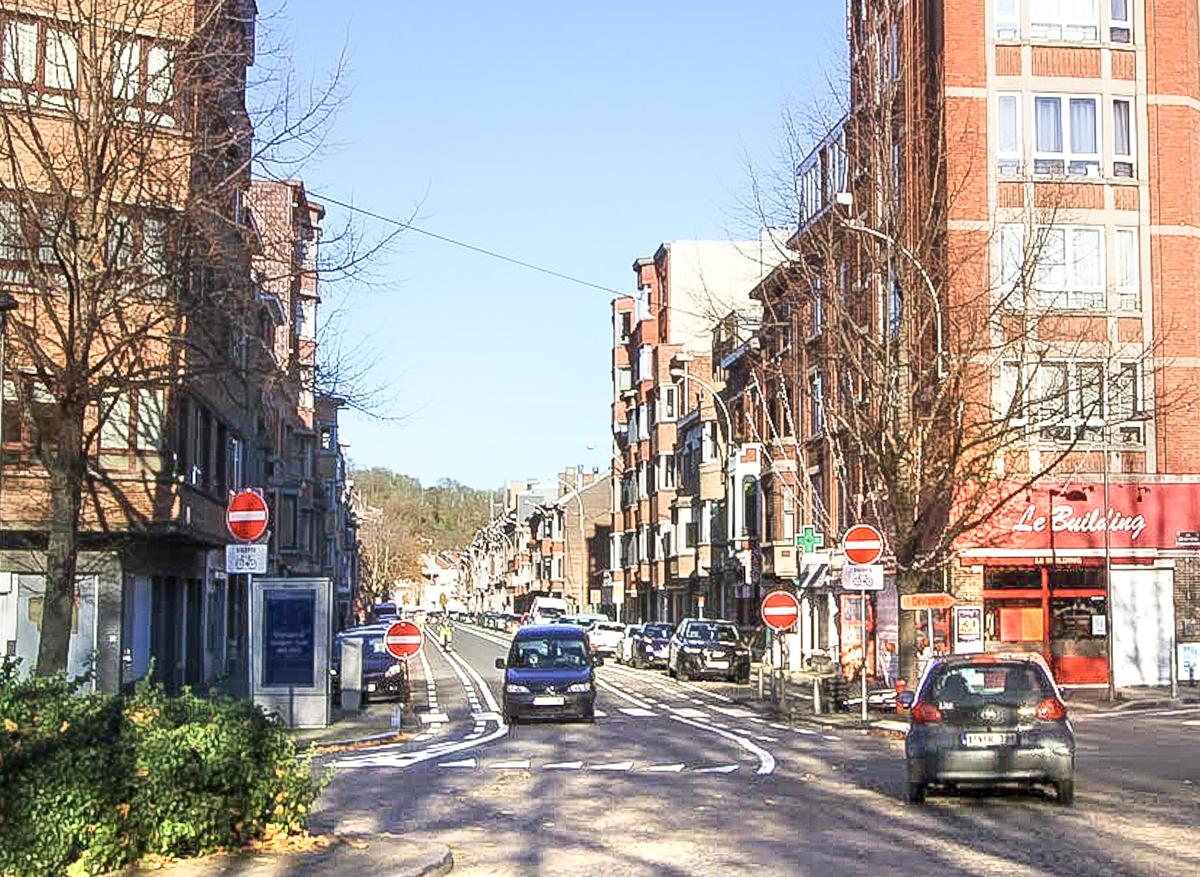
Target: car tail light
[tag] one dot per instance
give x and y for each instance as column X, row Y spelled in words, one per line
column 1051, row 710
column 924, row 713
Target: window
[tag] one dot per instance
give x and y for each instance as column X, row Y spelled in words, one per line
column 1126, row 399
column 1074, row 151
column 816, row 400
column 1068, row 20
column 667, row 409
column 114, row 430
column 1008, row 135
column 1120, row 23
column 1122, row 127
column 624, row 380
column 624, row 326
column 1069, row 399
column 816, row 311
column 1008, row 20
column 666, row 471
column 1128, row 279
column 1069, row 268
column 150, row 407
column 143, row 78
column 1012, row 266
column 36, row 59
column 642, row 373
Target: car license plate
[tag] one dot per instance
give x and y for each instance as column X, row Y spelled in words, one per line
column 548, row 700
column 990, row 739
column 719, row 665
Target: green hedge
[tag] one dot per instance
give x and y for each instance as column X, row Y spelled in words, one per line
column 91, row 782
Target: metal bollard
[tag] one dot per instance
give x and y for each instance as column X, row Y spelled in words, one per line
column 816, row 695
column 761, row 681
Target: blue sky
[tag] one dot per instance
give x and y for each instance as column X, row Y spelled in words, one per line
column 575, row 136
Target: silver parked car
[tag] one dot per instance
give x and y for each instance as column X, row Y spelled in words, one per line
column 989, row 720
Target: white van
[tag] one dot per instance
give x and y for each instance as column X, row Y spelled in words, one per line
column 545, row 609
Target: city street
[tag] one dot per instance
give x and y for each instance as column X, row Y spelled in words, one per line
column 683, row 778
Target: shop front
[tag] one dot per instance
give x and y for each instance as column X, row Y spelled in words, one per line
column 1058, row 567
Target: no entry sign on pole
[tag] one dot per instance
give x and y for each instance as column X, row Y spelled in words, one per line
column 403, row 639
column 863, row 544
column 780, row 610
column 247, row 516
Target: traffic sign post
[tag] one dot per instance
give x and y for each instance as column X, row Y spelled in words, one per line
column 403, row 640
column 247, row 516
column 863, row 544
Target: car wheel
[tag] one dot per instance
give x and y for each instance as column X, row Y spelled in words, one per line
column 670, row 671
column 681, row 674
column 743, row 678
column 916, row 793
column 590, row 715
column 1066, row 792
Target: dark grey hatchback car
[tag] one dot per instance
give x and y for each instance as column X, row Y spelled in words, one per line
column 989, row 720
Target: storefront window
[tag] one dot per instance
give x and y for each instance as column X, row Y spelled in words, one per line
column 1013, row 621
column 1077, row 619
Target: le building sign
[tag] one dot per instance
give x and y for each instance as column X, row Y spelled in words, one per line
column 242, row 559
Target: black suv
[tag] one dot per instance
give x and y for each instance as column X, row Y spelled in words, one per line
column 708, row 648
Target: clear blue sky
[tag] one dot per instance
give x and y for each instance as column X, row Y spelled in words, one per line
column 576, row 136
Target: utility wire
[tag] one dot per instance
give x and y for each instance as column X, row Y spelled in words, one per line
column 492, row 254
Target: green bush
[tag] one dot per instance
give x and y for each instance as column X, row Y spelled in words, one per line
column 93, row 781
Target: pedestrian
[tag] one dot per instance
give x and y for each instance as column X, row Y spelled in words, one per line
column 891, row 663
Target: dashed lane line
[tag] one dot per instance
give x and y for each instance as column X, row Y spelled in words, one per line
column 665, row 768
column 615, row 766
column 564, row 765
column 724, row 768
column 465, row 763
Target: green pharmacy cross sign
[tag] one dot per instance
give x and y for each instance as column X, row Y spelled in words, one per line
column 810, row 540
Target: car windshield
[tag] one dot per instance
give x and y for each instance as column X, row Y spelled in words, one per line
column 968, row 686
column 549, row 653
column 658, row 631
column 722, row 633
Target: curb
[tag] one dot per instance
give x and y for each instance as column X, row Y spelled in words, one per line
column 444, row 865
column 382, row 739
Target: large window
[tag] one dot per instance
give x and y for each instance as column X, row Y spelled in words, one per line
column 1067, row 135
column 1073, row 21
column 144, row 80
column 1008, row 136
column 38, row 62
column 1066, row 267
column 1073, row 400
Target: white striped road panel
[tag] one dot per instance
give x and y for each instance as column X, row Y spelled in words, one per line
column 433, row 718
column 564, row 765
column 615, row 766
column 766, row 739
column 734, row 712
column 638, row 712
column 486, row 717
column 724, row 768
column 601, row 714
column 829, row 737
column 689, row 713
column 465, row 763
column 779, row 727
column 522, row 764
column 664, row 768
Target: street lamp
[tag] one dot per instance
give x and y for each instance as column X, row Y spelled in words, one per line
column 8, row 304
column 846, row 199
column 725, row 455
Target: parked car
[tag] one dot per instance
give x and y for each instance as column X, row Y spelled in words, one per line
column 545, row 610
column 707, row 648
column 383, row 676
column 652, row 646
column 625, row 649
column 988, row 720
column 605, row 637
column 549, row 673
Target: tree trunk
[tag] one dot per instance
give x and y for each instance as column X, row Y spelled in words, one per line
column 66, row 466
column 908, row 582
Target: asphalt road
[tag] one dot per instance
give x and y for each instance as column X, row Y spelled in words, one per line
column 682, row 779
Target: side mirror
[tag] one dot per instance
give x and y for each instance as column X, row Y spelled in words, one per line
column 499, row 663
column 906, row 699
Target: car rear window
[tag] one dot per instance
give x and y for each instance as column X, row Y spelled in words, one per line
column 969, row 685
column 723, row 633
column 658, row 630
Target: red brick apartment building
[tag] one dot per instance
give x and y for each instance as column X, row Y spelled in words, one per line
column 1036, row 198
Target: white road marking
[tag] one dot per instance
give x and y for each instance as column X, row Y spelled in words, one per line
column 766, row 739
column 612, row 689
column 466, row 762
column 724, row 768
column 433, row 718
column 806, row 731
column 830, row 737
column 521, row 764
column 779, row 727
column 638, row 712
column 601, row 714
column 616, row 765
column 766, row 761
column 689, row 713
column 486, row 717
column 564, row 765
column 664, row 768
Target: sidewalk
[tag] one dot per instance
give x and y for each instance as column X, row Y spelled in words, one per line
column 375, row 722
column 379, row 855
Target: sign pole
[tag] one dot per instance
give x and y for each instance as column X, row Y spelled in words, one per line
column 863, row 609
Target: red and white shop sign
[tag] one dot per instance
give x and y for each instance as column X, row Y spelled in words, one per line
column 1151, row 516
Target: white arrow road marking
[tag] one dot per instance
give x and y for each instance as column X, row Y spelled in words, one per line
column 616, row 765
column 522, row 764
column 664, row 768
column 724, row 768
column 638, row 712
column 466, row 762
column 689, row 713
column 564, row 765
column 766, row 761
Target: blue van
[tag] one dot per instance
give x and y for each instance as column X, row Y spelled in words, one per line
column 549, row 673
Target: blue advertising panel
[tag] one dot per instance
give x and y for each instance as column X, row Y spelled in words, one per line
column 289, row 637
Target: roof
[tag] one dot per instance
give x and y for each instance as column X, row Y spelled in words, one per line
column 558, row 630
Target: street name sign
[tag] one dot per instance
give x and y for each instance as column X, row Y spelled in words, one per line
column 863, row 577
column 403, row 639
column 247, row 516
column 863, row 544
column 246, row 559
column 780, row 610
column 929, row 600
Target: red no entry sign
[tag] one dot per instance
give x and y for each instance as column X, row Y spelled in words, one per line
column 247, row 516
column 780, row 610
column 863, row 544
column 403, row 639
